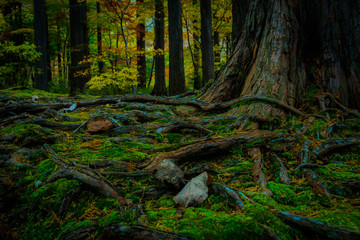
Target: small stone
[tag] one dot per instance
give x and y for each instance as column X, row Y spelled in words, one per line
column 100, row 124
column 169, row 174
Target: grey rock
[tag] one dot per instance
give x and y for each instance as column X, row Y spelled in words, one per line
column 169, row 174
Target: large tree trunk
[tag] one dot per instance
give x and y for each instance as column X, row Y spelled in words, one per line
column 41, row 41
column 239, row 11
column 287, row 46
column 159, row 87
column 79, row 46
column 176, row 55
column 208, row 67
column 140, row 43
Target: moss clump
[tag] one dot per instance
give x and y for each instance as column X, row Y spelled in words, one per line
column 173, row 137
column 283, row 193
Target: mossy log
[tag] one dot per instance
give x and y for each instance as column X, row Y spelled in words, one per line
column 225, row 191
column 52, row 125
column 258, row 174
column 311, row 227
column 334, row 144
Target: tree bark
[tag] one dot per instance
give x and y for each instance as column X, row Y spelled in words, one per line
column 239, row 11
column 288, row 46
column 176, row 55
column 208, row 67
column 140, row 43
column 159, row 87
column 43, row 72
column 78, row 75
column 99, row 39
column 197, row 78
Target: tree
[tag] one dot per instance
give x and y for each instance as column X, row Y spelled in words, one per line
column 43, row 73
column 197, row 80
column 239, row 10
column 78, row 75
column 159, row 87
column 208, row 67
column 176, row 55
column 99, row 39
column 140, row 42
column 288, row 47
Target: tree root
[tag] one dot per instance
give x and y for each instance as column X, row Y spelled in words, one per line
column 334, row 144
column 60, row 117
column 310, row 175
column 119, row 231
column 258, row 174
column 310, row 226
column 284, row 177
column 50, row 124
column 71, row 170
column 210, row 146
column 224, row 191
column 178, row 126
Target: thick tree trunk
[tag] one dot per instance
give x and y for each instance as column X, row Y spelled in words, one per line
column 176, row 55
column 208, row 67
column 287, row 46
column 159, row 87
column 43, row 73
column 79, row 46
column 239, row 11
column 140, row 42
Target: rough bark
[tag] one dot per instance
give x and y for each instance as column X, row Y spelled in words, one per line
column 41, row 41
column 176, row 55
column 159, row 87
column 239, row 11
column 208, row 67
column 287, row 47
column 78, row 75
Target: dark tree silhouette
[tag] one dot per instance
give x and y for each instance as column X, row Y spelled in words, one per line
column 159, row 87
column 43, row 71
column 176, row 55
column 140, row 42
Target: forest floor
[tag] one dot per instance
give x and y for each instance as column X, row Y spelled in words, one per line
column 95, row 170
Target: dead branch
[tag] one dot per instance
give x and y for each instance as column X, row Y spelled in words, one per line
column 50, row 124
column 324, row 231
column 258, row 174
column 284, row 177
column 71, row 170
column 60, row 117
column 334, row 144
column 178, row 126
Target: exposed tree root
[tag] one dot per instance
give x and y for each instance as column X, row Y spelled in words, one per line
column 334, row 144
column 225, row 191
column 119, row 231
column 60, row 117
column 269, row 234
column 178, row 126
column 211, row 146
column 311, row 227
column 81, row 233
column 258, row 174
column 70, row 169
column 284, row 177
column 52, row 125
column 9, row 120
column 310, row 175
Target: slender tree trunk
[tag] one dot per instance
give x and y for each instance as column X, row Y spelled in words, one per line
column 79, row 46
column 176, row 55
column 140, row 42
column 99, row 39
column 208, row 67
column 159, row 87
column 287, row 46
column 217, row 48
column 43, row 72
column 197, row 79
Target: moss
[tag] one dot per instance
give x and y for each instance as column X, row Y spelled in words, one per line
column 73, row 226
column 244, row 166
column 283, row 193
column 173, row 137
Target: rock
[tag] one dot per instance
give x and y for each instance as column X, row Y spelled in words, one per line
column 169, row 174
column 194, row 193
column 100, row 124
column 34, row 98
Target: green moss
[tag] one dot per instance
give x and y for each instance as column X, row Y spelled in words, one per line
column 244, row 166
column 173, row 137
column 283, row 193
column 73, row 226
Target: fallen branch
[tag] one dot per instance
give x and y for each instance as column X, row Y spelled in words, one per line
column 310, row 226
column 258, row 174
column 178, row 126
column 71, row 170
column 60, row 117
column 50, row 124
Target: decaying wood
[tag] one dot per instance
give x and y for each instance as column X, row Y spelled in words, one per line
column 284, row 177
column 52, row 125
column 315, row 182
column 121, row 232
column 127, row 174
column 142, row 117
column 59, row 116
column 9, row 120
column 310, row 226
column 81, row 233
column 306, row 165
column 353, row 185
column 268, row 233
column 178, row 126
column 258, row 174
column 71, row 170
column 211, row 146
column 334, row 144
column 225, row 191
column 341, row 106
column 66, row 202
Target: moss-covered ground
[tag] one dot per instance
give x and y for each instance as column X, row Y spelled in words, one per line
column 35, row 210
